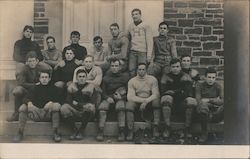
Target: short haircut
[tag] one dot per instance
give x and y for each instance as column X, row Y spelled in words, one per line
column 174, row 61
column 142, row 63
column 210, row 70
column 163, row 23
column 185, row 55
column 136, row 9
column 97, row 38
column 114, row 60
column 26, row 27
column 45, row 71
column 81, row 71
column 69, row 48
column 115, row 25
column 89, row 56
column 75, row 33
column 50, row 37
column 31, row 54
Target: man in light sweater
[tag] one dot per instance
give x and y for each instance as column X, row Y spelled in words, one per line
column 143, row 93
column 141, row 38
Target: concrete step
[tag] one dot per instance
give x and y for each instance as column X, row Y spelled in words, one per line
column 111, row 128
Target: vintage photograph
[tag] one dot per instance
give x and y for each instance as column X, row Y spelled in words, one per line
column 112, row 72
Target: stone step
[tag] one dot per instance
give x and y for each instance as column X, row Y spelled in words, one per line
column 111, row 128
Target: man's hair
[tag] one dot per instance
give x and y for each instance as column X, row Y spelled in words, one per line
column 26, row 27
column 89, row 56
column 69, row 48
column 185, row 55
column 142, row 63
column 97, row 38
column 75, row 33
column 45, row 71
column 81, row 71
column 174, row 61
column 210, row 70
column 115, row 25
column 163, row 23
column 31, row 54
column 114, row 60
column 136, row 9
column 50, row 37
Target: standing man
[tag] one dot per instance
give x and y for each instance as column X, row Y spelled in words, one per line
column 114, row 93
column 80, row 51
column 143, row 93
column 52, row 55
column 141, row 38
column 164, row 49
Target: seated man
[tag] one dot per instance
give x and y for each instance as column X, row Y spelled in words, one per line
column 80, row 51
column 143, row 92
column 164, row 49
column 41, row 104
column 25, row 81
column 210, row 98
column 114, row 92
column 78, row 107
column 52, row 55
column 176, row 97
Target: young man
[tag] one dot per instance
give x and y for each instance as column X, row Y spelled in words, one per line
column 164, row 49
column 41, row 104
column 176, row 97
column 78, row 107
column 210, row 98
column 25, row 81
column 114, row 92
column 52, row 55
column 143, row 93
column 80, row 51
column 141, row 38
column 118, row 46
column 25, row 45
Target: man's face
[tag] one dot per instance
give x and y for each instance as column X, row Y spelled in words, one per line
column 210, row 78
column 175, row 68
column 88, row 62
column 32, row 62
column 115, row 67
column 69, row 55
column 141, row 71
column 51, row 44
column 27, row 33
column 186, row 62
column 81, row 78
column 75, row 39
column 44, row 78
column 114, row 31
column 163, row 30
column 136, row 16
column 98, row 44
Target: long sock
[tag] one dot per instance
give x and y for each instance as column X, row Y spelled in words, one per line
column 22, row 121
column 188, row 116
column 121, row 118
column 130, row 120
column 204, row 121
column 55, row 119
column 102, row 118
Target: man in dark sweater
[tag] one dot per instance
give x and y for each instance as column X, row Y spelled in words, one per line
column 78, row 107
column 25, row 45
column 41, row 104
column 210, row 98
column 176, row 96
column 114, row 92
column 25, row 81
column 80, row 51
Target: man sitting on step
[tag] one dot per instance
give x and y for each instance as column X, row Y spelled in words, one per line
column 41, row 104
column 79, row 106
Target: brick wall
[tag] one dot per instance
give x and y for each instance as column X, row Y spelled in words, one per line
column 198, row 27
column 40, row 22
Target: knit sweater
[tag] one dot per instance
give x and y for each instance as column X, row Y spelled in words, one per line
column 118, row 47
column 141, row 38
column 52, row 56
column 99, row 56
column 80, row 51
column 66, row 72
column 141, row 88
column 111, row 82
column 41, row 95
column 94, row 76
column 22, row 47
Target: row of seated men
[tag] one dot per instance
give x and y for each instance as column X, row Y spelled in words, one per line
column 44, row 97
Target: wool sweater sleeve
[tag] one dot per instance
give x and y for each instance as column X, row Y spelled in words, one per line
column 155, row 90
column 124, row 50
column 149, row 40
column 220, row 99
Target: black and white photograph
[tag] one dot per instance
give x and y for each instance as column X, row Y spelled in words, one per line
column 167, row 73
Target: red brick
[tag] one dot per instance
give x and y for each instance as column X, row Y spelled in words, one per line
column 183, row 50
column 220, row 53
column 193, row 31
column 196, row 15
column 219, row 32
column 179, row 15
column 175, row 30
column 194, row 38
column 192, row 43
column 207, row 38
column 181, row 37
column 207, row 30
column 197, row 5
column 216, row 22
column 212, row 46
column 209, row 61
column 202, row 53
column 171, row 23
column 185, row 23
